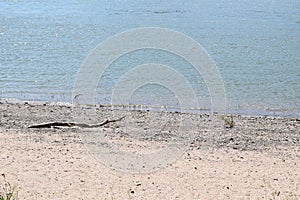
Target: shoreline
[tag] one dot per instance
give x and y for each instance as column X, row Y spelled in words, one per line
column 258, row 157
column 268, row 112
column 21, row 115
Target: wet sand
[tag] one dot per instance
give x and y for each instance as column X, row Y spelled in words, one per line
column 258, row 158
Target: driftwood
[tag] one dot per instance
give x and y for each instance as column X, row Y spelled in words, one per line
column 73, row 124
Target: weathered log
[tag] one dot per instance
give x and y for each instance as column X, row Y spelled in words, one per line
column 73, row 124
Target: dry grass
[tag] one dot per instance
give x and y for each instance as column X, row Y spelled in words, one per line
column 8, row 192
column 228, row 121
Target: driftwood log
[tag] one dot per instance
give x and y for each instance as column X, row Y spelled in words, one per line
column 73, row 124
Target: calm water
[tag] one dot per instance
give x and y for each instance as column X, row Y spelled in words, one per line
column 255, row 44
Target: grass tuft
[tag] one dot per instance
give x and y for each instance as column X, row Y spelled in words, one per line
column 228, row 121
column 7, row 191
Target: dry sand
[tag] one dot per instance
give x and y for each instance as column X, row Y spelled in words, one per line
column 259, row 158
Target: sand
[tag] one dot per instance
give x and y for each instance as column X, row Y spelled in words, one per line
column 259, row 158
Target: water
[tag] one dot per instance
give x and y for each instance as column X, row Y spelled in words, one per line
column 255, row 45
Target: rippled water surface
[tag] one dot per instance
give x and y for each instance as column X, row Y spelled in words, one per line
column 255, row 44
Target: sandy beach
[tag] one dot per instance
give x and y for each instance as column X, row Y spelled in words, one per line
column 213, row 89
column 258, row 158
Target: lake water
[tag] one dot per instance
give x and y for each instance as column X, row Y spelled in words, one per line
column 255, row 44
